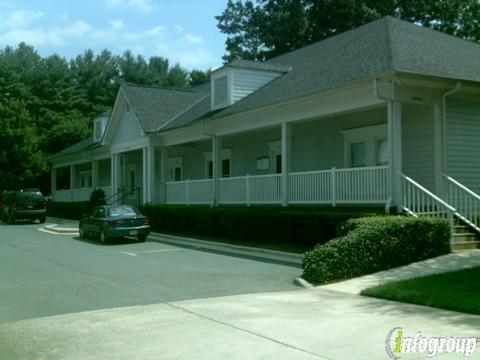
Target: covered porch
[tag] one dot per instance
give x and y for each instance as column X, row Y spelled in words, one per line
column 334, row 160
column 77, row 181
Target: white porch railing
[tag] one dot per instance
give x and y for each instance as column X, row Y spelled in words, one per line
column 418, row 201
column 82, row 194
column 344, row 186
column 366, row 185
column 465, row 201
column 62, row 195
column 189, row 192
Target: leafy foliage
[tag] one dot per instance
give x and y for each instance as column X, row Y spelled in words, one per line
column 296, row 228
column 374, row 244
column 48, row 103
column 262, row 29
column 97, row 198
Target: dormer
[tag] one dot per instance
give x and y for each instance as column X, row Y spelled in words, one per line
column 240, row 78
column 99, row 126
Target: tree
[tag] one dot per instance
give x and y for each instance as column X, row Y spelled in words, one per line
column 262, row 29
column 21, row 160
column 198, row 77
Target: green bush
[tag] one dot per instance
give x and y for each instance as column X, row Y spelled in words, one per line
column 373, row 244
column 68, row 210
column 300, row 228
column 97, row 198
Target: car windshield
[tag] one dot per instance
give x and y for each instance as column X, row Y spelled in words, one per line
column 123, row 210
column 25, row 197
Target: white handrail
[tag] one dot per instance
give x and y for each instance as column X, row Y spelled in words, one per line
column 466, row 202
column 461, row 186
column 418, row 201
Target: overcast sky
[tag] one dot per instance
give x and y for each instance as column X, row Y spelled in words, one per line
column 183, row 31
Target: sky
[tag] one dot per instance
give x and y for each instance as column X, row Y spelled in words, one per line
column 183, row 31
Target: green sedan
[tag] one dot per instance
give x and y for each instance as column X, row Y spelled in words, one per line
column 115, row 221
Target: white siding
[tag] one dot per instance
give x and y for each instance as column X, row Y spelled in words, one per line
column 128, row 129
column 247, row 81
column 463, row 142
column 418, row 144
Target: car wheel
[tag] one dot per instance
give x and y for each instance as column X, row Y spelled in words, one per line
column 142, row 238
column 42, row 219
column 81, row 232
column 103, row 237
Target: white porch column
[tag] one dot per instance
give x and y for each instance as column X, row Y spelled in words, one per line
column 286, row 159
column 152, row 197
column 53, row 179
column 115, row 168
column 217, row 167
column 395, row 144
column 145, row 187
column 439, row 146
column 94, row 174
column 72, row 181
column 163, row 173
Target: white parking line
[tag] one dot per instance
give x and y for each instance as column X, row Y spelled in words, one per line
column 148, row 252
column 128, row 253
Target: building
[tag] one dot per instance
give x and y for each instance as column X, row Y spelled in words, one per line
column 386, row 114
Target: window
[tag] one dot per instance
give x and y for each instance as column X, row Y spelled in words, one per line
column 175, row 169
column 278, row 164
column 177, row 174
column 358, row 154
column 382, row 152
column 210, row 169
column 226, row 168
column 226, row 163
column 365, row 146
column 220, row 92
column 85, row 180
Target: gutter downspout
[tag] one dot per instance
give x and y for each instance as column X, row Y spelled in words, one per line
column 377, row 95
column 457, row 87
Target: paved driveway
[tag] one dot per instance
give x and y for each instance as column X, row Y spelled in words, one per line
column 43, row 274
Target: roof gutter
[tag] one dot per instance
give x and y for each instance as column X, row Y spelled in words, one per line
column 457, row 87
column 377, row 92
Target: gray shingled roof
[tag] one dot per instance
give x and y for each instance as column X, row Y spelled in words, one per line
column 384, row 46
column 156, row 106
column 381, row 47
column 262, row 66
column 80, row 146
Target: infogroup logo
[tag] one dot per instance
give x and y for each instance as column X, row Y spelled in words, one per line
column 397, row 344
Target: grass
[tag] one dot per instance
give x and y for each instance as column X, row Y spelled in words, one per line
column 457, row 290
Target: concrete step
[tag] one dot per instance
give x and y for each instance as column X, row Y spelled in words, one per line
column 466, row 245
column 464, row 237
column 461, row 229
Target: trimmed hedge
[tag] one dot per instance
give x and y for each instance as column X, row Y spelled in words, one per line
column 373, row 244
column 299, row 228
column 68, row 210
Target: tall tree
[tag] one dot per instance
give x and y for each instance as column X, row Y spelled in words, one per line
column 21, row 160
column 262, row 29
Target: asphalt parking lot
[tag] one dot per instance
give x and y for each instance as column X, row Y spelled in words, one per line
column 44, row 274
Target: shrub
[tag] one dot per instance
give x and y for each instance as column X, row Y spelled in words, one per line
column 68, row 210
column 373, row 244
column 97, row 198
column 300, row 228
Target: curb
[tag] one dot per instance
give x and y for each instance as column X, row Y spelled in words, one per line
column 274, row 255
column 303, row 283
column 54, row 229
